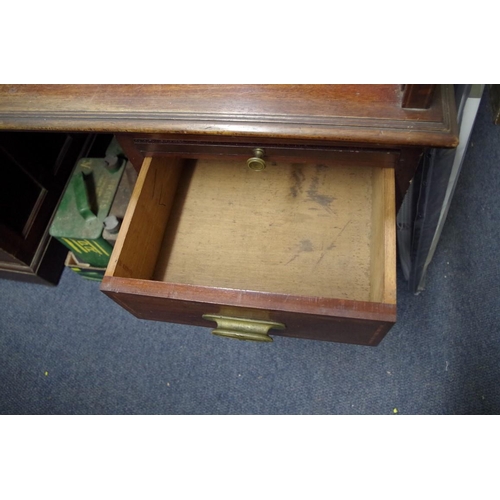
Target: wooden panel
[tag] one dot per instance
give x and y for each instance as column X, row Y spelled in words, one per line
column 137, row 245
column 383, row 243
column 370, row 114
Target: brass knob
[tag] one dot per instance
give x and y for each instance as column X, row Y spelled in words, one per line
column 257, row 162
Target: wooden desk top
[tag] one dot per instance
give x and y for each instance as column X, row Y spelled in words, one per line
column 357, row 114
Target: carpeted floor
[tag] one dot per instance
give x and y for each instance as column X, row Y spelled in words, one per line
column 71, row 350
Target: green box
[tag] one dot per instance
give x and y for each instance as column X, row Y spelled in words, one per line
column 79, row 220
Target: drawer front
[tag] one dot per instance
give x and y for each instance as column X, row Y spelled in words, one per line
column 306, row 249
column 140, row 147
column 327, row 320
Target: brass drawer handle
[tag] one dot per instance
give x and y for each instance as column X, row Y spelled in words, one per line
column 243, row 329
column 257, row 162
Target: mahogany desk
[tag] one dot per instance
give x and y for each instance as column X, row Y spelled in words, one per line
column 262, row 208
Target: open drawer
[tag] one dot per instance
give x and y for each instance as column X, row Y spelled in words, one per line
column 303, row 250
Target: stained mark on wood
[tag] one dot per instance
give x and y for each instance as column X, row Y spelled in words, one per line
column 298, row 178
column 304, row 246
column 313, row 195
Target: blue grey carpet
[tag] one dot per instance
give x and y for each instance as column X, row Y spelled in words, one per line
column 71, row 350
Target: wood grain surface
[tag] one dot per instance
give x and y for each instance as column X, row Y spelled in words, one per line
column 141, row 233
column 371, row 114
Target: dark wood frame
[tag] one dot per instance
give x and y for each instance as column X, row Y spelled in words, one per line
column 31, row 254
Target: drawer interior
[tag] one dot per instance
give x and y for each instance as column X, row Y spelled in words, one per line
column 298, row 229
